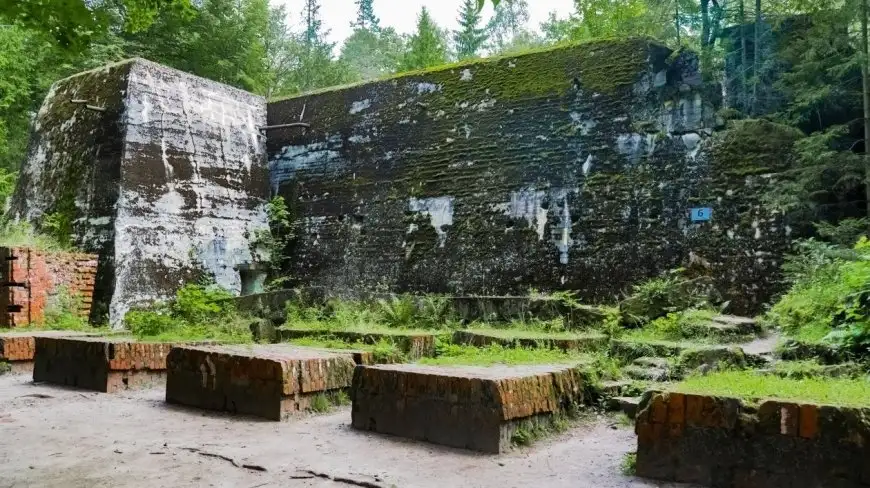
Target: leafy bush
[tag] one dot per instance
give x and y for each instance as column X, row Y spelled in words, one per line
column 657, row 297
column 399, row 311
column 830, row 291
column 63, row 312
column 198, row 312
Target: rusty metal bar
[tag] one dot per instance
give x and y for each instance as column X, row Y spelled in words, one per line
column 283, row 126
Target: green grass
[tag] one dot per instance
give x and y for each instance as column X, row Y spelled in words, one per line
column 384, row 350
column 753, row 386
column 320, row 403
column 813, row 333
column 234, row 330
column 628, row 467
column 454, row 354
column 527, row 333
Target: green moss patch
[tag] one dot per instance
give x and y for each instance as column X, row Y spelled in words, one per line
column 454, row 355
column 753, row 386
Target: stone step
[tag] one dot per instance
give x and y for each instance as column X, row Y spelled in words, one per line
column 626, row 405
column 615, row 388
column 651, row 362
column 744, row 325
column 641, row 373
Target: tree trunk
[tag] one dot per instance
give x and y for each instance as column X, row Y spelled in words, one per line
column 705, row 23
column 756, row 47
column 677, row 19
column 865, row 78
column 743, row 62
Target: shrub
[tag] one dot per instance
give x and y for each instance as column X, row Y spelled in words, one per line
column 657, row 297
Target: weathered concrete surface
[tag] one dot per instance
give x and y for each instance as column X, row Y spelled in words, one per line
column 468, row 407
column 579, row 342
column 33, row 280
column 104, row 364
column 60, row 437
column 270, row 381
column 573, row 168
column 415, row 345
column 723, row 442
column 18, row 348
column 166, row 184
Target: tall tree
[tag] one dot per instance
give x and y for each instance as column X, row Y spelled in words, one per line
column 426, row 47
column 365, row 16
column 470, row 37
column 369, row 54
column 74, row 23
column 508, row 25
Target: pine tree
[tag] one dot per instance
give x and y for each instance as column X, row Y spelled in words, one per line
column 365, row 16
column 426, row 47
column 470, row 37
column 313, row 24
column 509, row 22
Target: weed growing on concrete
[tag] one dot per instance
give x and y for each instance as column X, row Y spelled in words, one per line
column 22, row 234
column 4, row 367
column 455, row 354
column 384, row 351
column 678, row 326
column 320, row 403
column 339, row 398
column 628, row 467
column 63, row 312
column 753, row 386
column 624, row 421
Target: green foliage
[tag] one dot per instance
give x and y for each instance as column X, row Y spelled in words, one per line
column 365, row 16
column 198, row 312
column 384, row 351
column 828, row 289
column 470, row 37
column 677, row 326
column 455, row 354
column 270, row 244
column 399, row 311
column 426, row 47
column 320, row 403
column 22, row 234
column 628, row 467
column 753, row 386
column 63, row 312
column 657, row 297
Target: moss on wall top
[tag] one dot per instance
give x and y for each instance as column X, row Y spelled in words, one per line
column 602, row 66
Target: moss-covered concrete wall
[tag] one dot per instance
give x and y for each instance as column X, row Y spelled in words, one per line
column 166, row 180
column 572, row 168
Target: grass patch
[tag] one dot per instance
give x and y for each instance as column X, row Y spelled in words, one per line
column 529, row 333
column 753, row 386
column 681, row 326
column 628, row 466
column 320, row 403
column 455, row 354
column 384, row 351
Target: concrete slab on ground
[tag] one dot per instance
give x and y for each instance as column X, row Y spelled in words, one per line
column 477, row 408
column 105, row 364
column 270, row 381
column 18, row 347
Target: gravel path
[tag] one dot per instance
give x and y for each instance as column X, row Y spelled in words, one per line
column 54, row 436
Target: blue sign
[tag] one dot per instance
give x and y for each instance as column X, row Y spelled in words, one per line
column 702, row 214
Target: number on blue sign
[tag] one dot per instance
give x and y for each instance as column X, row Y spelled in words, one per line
column 701, row 214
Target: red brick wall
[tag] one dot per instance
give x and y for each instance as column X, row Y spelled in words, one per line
column 32, row 279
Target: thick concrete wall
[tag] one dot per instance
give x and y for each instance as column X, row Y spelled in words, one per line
column 167, row 183
column 193, row 184
column 571, row 168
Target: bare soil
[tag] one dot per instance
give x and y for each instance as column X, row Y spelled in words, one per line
column 56, row 436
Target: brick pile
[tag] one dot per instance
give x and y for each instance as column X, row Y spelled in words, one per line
column 99, row 363
column 726, row 442
column 269, row 381
column 467, row 407
column 32, row 278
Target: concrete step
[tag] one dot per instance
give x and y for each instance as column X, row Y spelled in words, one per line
column 615, row 388
column 743, row 325
column 642, row 373
column 651, row 362
column 626, row 405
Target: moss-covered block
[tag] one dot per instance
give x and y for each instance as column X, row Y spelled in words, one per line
column 415, row 345
column 508, row 338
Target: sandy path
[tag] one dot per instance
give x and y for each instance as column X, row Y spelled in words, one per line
column 72, row 438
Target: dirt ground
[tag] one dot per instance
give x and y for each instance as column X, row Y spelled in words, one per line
column 55, row 436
